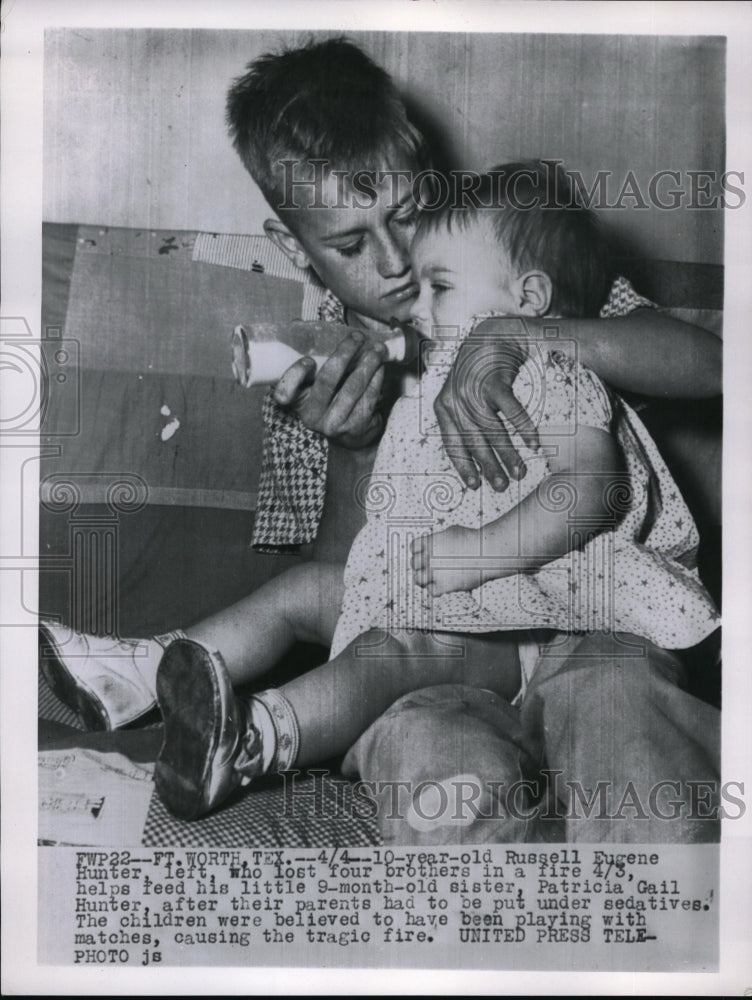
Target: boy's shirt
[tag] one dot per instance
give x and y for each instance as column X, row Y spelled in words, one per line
column 292, row 486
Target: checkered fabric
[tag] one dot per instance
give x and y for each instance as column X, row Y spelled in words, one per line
column 293, row 473
column 293, row 470
column 317, row 811
column 623, row 299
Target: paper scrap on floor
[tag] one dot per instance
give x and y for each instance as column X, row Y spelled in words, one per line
column 91, row 798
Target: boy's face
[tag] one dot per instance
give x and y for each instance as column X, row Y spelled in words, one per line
column 460, row 274
column 359, row 247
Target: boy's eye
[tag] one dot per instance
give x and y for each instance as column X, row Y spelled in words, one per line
column 352, row 250
column 407, row 218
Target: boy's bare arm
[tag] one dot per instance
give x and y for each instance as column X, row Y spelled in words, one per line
column 649, row 353
column 535, row 532
column 645, row 352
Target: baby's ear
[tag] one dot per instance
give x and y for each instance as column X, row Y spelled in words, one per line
column 287, row 242
column 534, row 293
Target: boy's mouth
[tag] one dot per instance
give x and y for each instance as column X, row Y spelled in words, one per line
column 403, row 293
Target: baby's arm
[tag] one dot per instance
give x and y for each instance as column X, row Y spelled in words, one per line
column 530, row 535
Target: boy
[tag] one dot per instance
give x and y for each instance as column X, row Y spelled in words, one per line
column 541, row 262
column 328, row 101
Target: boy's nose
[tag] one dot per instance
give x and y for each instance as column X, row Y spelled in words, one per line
column 394, row 259
column 419, row 311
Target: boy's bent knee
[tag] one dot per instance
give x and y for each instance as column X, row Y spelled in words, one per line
column 439, row 658
column 609, row 663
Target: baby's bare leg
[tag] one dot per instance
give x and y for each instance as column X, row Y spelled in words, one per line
column 335, row 703
column 112, row 683
column 215, row 740
column 300, row 605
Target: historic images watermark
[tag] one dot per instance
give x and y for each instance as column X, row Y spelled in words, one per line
column 311, row 184
column 463, row 799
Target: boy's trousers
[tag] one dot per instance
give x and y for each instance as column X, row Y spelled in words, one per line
column 606, row 746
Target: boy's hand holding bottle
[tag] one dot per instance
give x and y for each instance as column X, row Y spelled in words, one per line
column 332, row 375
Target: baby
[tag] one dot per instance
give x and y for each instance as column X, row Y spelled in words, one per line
column 443, row 583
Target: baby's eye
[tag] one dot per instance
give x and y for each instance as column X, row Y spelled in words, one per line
column 437, row 287
column 352, row 250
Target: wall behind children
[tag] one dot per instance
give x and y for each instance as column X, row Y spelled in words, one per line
column 135, row 135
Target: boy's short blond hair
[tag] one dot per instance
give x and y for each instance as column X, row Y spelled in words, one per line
column 322, row 101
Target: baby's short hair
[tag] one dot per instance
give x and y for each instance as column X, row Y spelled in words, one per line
column 325, row 100
column 533, row 212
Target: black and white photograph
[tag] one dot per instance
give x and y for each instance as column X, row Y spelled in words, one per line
column 375, row 556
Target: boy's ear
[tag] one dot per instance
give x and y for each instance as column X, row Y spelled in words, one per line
column 287, row 242
column 534, row 293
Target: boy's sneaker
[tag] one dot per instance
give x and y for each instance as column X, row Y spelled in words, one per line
column 104, row 680
column 210, row 744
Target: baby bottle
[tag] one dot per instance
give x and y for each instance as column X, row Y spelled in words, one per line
column 262, row 357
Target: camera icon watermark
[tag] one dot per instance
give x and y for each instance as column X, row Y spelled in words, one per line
column 41, row 382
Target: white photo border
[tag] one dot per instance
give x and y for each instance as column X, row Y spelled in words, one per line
column 23, row 23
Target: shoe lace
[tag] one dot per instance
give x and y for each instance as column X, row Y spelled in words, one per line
column 248, row 761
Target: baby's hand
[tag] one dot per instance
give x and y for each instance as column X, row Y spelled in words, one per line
column 460, row 545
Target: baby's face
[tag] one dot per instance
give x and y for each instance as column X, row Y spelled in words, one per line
column 460, row 274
